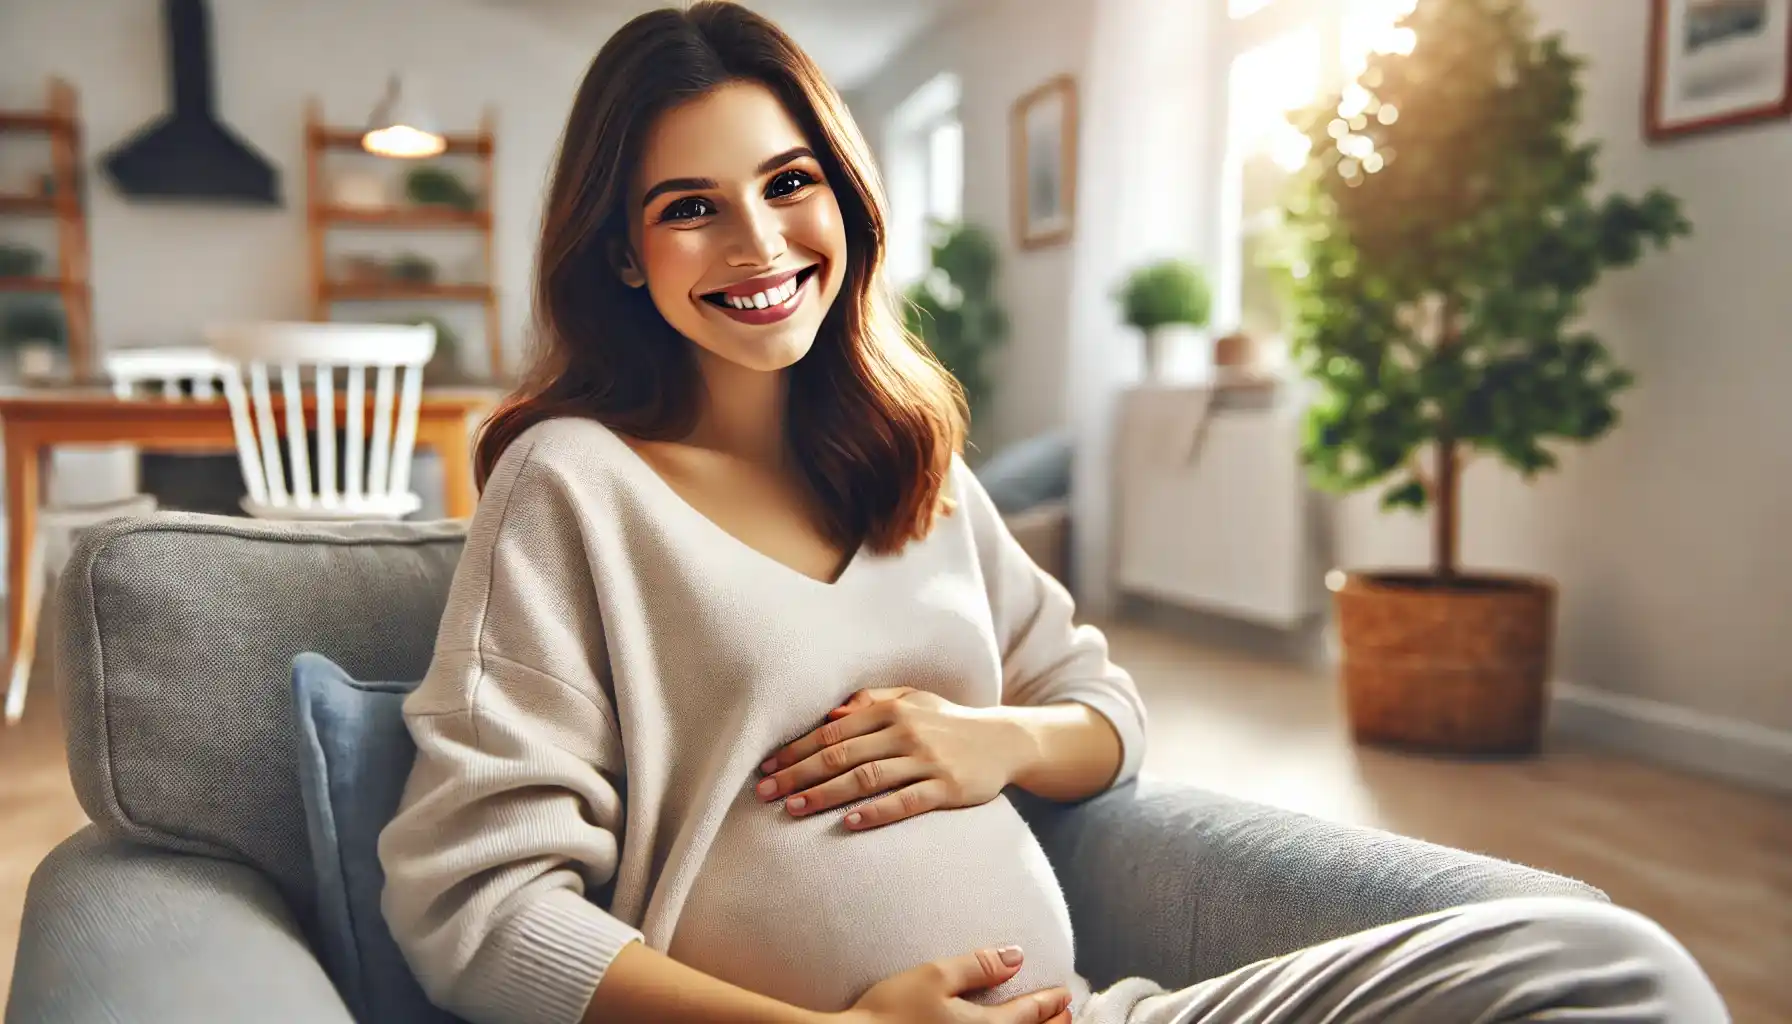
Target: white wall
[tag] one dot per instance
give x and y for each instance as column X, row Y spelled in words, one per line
column 1000, row 50
column 1670, row 537
column 160, row 273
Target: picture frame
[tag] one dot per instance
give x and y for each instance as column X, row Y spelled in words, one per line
column 1717, row 64
column 1043, row 162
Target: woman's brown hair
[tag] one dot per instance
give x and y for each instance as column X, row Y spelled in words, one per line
column 874, row 420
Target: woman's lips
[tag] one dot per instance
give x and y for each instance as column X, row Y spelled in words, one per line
column 781, row 301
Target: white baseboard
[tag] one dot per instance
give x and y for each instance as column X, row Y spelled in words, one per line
column 1744, row 752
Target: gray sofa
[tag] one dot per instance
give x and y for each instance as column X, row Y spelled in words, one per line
column 189, row 898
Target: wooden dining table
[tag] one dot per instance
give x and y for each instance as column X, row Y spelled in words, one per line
column 36, row 420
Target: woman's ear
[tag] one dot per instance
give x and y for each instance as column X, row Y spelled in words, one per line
column 622, row 257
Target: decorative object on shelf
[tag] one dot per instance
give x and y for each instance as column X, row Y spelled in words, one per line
column 1439, row 315
column 34, row 331
column 364, row 279
column 19, row 260
column 411, row 268
column 360, row 189
column 401, row 127
column 1237, row 351
column 1044, row 163
column 57, row 195
column 953, row 309
column 1163, row 300
column 438, row 186
column 189, row 154
column 1717, row 63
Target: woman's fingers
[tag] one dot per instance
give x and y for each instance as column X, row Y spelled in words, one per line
column 1051, row 1006
column 867, row 779
column 838, row 760
column 865, row 698
column 917, row 798
column 973, row 972
column 870, row 719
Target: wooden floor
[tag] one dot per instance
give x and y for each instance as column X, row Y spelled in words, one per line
column 1712, row 863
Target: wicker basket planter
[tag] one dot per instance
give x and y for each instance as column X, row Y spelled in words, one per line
column 1460, row 667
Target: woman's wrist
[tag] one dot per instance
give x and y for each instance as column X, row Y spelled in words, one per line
column 1069, row 751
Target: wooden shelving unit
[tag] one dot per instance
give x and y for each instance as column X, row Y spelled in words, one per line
column 60, row 121
column 322, row 216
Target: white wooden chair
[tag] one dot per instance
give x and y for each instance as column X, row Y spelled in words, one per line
column 149, row 374
column 309, row 360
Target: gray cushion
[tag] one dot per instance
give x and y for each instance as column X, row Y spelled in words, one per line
column 355, row 754
column 1028, row 473
column 175, row 635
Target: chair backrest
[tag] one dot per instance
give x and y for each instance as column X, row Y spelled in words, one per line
column 161, row 372
column 311, row 359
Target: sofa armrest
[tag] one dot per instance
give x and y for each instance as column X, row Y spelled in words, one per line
column 1178, row 884
column 118, row 931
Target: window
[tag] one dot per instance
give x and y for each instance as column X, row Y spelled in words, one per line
column 924, row 168
column 1277, row 66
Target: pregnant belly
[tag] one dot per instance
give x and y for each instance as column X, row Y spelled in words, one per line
column 807, row 912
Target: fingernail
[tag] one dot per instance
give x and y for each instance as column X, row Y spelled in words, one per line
column 768, row 787
column 771, row 764
column 797, row 803
column 1010, row 955
column 853, row 818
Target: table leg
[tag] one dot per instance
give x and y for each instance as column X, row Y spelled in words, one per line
column 24, row 468
column 453, row 445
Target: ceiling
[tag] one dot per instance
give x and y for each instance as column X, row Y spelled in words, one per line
column 850, row 39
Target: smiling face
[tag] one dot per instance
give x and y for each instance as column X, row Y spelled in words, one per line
column 737, row 233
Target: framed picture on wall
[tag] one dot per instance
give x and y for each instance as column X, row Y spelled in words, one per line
column 1717, row 63
column 1044, row 163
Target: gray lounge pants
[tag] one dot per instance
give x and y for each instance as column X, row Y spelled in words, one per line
column 1509, row 960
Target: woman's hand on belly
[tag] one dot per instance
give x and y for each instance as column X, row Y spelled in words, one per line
column 922, row 751
column 929, row 994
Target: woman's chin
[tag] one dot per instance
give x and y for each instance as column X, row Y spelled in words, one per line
column 763, row 350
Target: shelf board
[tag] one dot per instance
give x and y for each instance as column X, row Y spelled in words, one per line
column 35, row 121
column 406, row 217
column 384, row 291
column 350, row 138
column 27, row 204
column 31, row 284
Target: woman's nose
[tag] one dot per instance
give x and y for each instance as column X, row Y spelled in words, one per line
column 759, row 238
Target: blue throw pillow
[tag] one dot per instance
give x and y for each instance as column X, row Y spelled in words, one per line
column 1028, row 473
column 354, row 756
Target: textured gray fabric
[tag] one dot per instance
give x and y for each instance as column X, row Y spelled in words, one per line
column 1178, row 885
column 175, row 636
column 115, row 931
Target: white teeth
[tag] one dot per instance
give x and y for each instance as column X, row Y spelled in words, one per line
column 761, row 300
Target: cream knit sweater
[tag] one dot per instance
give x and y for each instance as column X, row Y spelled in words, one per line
column 611, row 669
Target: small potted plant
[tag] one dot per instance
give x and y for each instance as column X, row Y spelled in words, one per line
column 1163, row 300
column 1450, row 233
column 436, row 186
column 34, row 332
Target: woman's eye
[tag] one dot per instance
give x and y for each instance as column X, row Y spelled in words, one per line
column 788, row 183
column 689, row 208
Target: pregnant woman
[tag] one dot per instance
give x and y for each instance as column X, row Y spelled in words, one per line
column 739, row 658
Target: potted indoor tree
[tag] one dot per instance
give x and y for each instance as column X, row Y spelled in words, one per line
column 1449, row 231
column 954, row 310
column 1163, row 299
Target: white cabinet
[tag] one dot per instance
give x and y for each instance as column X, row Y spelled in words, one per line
column 1213, row 503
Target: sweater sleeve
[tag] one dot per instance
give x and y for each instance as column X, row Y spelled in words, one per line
column 1047, row 657
column 510, row 819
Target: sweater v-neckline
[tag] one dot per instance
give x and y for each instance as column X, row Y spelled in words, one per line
column 660, row 485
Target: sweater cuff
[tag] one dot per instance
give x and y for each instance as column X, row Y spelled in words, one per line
column 553, row 954
column 1125, row 720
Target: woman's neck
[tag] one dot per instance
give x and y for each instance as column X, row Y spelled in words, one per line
column 743, row 412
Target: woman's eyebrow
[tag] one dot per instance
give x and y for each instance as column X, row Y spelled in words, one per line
column 785, row 157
